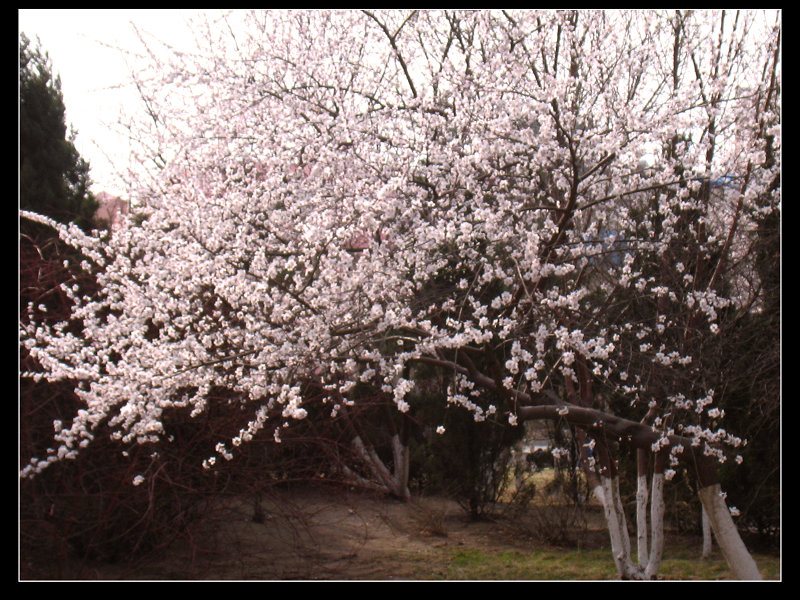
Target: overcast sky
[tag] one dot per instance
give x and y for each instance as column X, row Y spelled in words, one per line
column 93, row 75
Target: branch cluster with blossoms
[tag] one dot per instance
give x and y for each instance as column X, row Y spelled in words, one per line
column 423, row 186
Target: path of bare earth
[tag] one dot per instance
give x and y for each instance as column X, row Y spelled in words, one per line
column 317, row 535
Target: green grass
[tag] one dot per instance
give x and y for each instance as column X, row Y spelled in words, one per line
column 535, row 565
column 568, row 565
column 680, row 562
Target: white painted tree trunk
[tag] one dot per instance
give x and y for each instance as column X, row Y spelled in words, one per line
column 402, row 461
column 641, row 519
column 739, row 560
column 728, row 538
column 599, row 494
column 649, row 562
column 656, row 526
column 618, row 529
column 706, row 533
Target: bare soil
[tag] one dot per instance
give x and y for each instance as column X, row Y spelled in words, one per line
column 319, row 535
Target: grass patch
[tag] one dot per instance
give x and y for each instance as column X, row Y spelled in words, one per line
column 568, row 565
column 536, row 565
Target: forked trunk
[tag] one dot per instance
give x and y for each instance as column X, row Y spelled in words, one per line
column 395, row 481
column 618, row 529
column 649, row 562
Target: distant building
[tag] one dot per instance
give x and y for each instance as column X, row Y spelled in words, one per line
column 111, row 211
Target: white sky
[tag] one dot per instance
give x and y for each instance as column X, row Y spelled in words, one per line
column 93, row 75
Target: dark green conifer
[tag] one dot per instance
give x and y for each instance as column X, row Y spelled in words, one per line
column 53, row 178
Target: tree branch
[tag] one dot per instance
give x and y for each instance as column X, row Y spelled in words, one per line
column 392, row 38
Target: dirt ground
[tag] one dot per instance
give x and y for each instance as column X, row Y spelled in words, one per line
column 319, row 534
column 316, row 535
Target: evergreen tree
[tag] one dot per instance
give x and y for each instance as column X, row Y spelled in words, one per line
column 53, row 178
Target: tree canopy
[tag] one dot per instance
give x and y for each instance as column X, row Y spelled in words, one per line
column 556, row 206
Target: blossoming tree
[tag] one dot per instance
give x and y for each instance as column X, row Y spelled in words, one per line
column 531, row 202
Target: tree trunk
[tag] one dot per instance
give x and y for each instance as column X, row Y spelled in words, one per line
column 402, row 462
column 706, row 532
column 642, row 459
column 396, row 481
column 656, row 527
column 730, row 542
column 641, row 507
column 618, row 529
column 641, row 436
column 649, row 563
